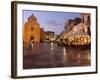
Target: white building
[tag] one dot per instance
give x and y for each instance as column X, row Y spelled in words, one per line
column 79, row 32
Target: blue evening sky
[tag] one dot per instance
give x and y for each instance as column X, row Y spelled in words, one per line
column 50, row 20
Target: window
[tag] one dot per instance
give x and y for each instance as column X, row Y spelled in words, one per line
column 83, row 30
column 32, row 28
column 88, row 19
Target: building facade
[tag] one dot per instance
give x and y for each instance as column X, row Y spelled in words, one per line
column 42, row 34
column 86, row 22
column 78, row 32
column 31, row 30
column 78, row 26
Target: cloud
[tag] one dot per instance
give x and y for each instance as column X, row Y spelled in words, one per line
column 54, row 26
column 53, row 23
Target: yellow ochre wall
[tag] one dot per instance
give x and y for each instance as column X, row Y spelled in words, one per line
column 31, row 28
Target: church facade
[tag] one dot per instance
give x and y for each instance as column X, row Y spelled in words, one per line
column 31, row 30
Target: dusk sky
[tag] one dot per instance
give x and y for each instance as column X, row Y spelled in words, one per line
column 50, row 20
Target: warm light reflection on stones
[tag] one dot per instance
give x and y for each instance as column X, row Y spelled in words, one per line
column 51, row 55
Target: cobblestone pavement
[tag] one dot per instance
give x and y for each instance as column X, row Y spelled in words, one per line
column 50, row 55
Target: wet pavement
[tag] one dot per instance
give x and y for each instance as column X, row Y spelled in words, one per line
column 50, row 55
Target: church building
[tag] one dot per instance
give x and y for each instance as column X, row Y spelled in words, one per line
column 31, row 30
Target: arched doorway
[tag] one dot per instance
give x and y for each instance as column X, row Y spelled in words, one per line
column 32, row 39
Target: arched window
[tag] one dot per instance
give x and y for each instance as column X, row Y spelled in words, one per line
column 32, row 29
column 89, row 19
column 83, row 30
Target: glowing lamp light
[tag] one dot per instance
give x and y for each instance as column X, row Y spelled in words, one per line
column 85, row 40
